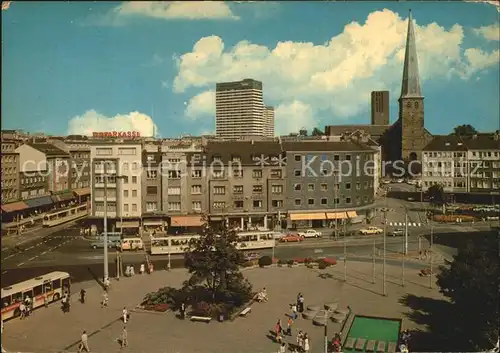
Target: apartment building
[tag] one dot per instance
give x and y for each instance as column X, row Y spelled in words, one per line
column 116, row 166
column 463, row 164
column 246, row 182
column 151, row 179
column 35, row 177
column 328, row 180
column 10, row 171
column 239, row 110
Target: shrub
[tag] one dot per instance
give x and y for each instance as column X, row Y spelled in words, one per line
column 265, row 261
column 322, row 265
column 248, row 264
column 281, row 262
column 165, row 295
column 157, row 307
column 210, row 310
column 290, row 262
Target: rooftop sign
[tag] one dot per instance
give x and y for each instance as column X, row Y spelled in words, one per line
column 120, row 134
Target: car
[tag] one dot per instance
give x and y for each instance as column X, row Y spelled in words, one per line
column 310, row 233
column 278, row 235
column 100, row 244
column 400, row 181
column 398, row 232
column 252, row 256
column 292, row 237
column 371, row 230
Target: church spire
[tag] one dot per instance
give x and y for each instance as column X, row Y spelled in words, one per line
column 410, row 87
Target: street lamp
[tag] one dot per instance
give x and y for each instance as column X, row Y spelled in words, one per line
column 430, row 260
column 385, row 236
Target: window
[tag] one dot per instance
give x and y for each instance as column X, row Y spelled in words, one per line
column 238, row 189
column 196, row 173
column 174, row 206
column 348, row 186
column 134, row 207
column 310, row 201
column 324, row 187
column 219, row 190
column 150, row 157
column 125, row 166
column 151, row 206
column 125, row 207
column 310, row 187
column 216, row 158
column 277, row 203
column 134, row 180
column 174, row 174
column 134, row 166
column 237, row 173
column 127, row 151
column 125, row 193
column 336, row 200
column 358, row 186
column 324, row 201
column 276, row 173
column 218, row 174
column 151, row 190
column 257, row 188
column 277, row 189
column 257, row 203
column 134, row 193
column 196, row 205
column 347, row 200
column 238, row 204
column 219, row 205
column 104, row 151
column 358, row 200
column 257, row 173
column 336, row 157
column 195, row 189
column 298, row 158
column 151, row 174
column 235, row 159
column 297, row 172
column 297, row 187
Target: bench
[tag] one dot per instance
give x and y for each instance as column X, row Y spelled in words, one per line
column 349, row 344
column 201, row 318
column 381, row 347
column 370, row 347
column 246, row 311
column 360, row 344
column 392, row 347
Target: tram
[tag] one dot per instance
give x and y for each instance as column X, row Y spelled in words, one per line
column 55, row 218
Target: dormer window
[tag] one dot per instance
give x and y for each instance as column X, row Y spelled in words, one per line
column 447, row 144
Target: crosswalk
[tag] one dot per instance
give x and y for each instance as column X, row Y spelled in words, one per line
column 402, row 224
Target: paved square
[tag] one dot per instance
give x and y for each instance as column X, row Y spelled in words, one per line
column 49, row 330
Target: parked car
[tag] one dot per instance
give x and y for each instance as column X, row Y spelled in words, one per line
column 100, row 244
column 291, row 237
column 371, row 230
column 398, row 232
column 310, row 233
column 252, row 256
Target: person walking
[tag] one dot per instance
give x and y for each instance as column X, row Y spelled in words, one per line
column 124, row 338
column 300, row 341
column 306, row 343
column 183, row 310
column 293, row 308
column 289, row 326
column 84, row 344
column 22, row 309
column 104, row 299
column 125, row 315
column 82, row 296
column 278, row 329
column 282, row 348
column 300, row 303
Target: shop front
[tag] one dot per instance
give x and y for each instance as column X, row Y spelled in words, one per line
column 63, row 199
column 128, row 227
column 82, row 194
column 189, row 224
column 14, row 218
column 307, row 220
column 154, row 223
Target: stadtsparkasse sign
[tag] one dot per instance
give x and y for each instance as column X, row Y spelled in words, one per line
column 119, row 134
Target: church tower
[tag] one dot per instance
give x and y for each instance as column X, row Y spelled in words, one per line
column 411, row 102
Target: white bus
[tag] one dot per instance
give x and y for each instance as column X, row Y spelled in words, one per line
column 55, row 218
column 177, row 244
column 51, row 285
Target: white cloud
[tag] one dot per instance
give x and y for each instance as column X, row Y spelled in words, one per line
column 292, row 117
column 200, row 105
column 92, row 121
column 491, row 32
column 334, row 78
column 188, row 10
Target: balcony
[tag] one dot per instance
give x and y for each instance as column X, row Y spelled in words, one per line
column 101, row 214
column 108, row 199
column 101, row 185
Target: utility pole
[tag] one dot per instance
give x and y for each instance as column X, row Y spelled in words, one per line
column 345, row 253
column 373, row 280
column 385, row 236
column 403, row 266
column 430, row 259
column 106, row 270
column 406, row 233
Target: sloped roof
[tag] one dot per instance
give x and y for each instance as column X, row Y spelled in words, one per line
column 48, row 149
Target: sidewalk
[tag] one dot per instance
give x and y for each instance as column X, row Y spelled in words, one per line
column 50, row 330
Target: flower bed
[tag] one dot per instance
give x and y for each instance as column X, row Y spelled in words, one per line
column 157, row 307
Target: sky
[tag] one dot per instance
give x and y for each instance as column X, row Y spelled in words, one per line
column 151, row 67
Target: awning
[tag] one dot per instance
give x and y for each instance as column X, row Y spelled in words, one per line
column 82, row 191
column 152, row 222
column 14, row 206
column 307, row 216
column 63, row 197
column 352, row 214
column 39, row 201
column 132, row 224
column 336, row 215
column 186, row 221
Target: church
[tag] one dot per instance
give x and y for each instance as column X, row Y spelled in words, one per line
column 407, row 137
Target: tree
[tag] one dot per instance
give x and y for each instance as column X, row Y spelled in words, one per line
column 464, row 130
column 436, row 194
column 317, row 132
column 213, row 262
column 471, row 283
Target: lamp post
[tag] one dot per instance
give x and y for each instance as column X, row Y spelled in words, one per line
column 106, row 269
column 430, row 259
column 345, row 253
column 385, row 236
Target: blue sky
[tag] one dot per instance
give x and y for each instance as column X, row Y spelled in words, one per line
column 96, row 66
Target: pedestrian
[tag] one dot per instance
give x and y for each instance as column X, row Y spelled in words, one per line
column 125, row 315
column 282, row 348
column 22, row 309
column 306, row 343
column 183, row 311
column 82, row 296
column 46, row 301
column 104, row 299
column 106, row 284
column 278, row 329
column 293, row 308
column 124, row 337
column 300, row 302
column 289, row 326
column 84, row 344
column 142, row 269
column 64, row 302
column 300, row 341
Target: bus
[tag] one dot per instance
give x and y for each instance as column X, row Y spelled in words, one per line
column 50, row 286
column 55, row 218
column 177, row 244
